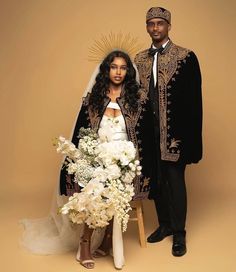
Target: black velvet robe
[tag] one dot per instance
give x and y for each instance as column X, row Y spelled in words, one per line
column 179, row 102
column 140, row 131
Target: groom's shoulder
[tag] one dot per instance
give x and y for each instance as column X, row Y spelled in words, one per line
column 140, row 56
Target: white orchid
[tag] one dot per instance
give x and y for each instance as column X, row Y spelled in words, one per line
column 113, row 171
column 93, row 187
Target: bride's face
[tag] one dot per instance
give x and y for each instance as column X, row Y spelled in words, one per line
column 118, row 70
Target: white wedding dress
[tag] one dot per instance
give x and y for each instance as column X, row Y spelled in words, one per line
column 55, row 233
column 114, row 129
column 111, row 129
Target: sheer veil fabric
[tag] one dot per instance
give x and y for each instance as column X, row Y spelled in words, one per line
column 55, row 234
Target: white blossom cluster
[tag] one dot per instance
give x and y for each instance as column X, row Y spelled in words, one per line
column 105, row 171
column 82, row 171
column 66, row 147
column 90, row 206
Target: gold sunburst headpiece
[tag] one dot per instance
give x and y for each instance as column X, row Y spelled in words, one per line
column 111, row 42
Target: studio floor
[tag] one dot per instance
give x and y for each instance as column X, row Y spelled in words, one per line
column 210, row 240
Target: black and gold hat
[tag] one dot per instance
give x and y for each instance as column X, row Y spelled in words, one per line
column 158, row 12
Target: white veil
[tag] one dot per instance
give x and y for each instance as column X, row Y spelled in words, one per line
column 55, row 234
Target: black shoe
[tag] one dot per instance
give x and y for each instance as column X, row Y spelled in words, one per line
column 159, row 234
column 179, row 245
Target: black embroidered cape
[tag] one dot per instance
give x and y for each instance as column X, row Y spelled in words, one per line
column 140, row 132
column 179, row 102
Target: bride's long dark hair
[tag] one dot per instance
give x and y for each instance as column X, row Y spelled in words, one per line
column 101, row 86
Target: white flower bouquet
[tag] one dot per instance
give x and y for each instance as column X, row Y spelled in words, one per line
column 104, row 172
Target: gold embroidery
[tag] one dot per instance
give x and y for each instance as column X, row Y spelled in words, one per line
column 143, row 96
column 86, row 99
column 144, row 64
column 141, row 187
column 156, row 12
column 132, row 117
column 146, row 182
column 174, row 143
column 168, row 64
column 94, row 116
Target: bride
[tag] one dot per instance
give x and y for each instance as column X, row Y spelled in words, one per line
column 117, row 108
column 103, row 110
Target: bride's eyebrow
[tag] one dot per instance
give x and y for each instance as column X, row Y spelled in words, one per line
column 115, row 65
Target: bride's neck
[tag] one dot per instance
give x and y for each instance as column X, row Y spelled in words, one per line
column 115, row 89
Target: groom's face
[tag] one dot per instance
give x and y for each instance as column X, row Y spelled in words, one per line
column 158, row 29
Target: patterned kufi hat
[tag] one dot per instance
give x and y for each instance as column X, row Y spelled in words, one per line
column 158, row 12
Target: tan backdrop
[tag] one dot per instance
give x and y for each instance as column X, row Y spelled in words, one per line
column 43, row 73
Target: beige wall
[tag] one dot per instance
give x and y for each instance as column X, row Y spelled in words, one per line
column 44, row 71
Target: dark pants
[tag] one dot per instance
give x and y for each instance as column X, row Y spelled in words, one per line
column 171, row 204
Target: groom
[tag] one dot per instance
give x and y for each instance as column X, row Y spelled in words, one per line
column 172, row 77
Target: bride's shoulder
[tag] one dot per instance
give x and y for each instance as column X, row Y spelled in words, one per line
column 85, row 99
